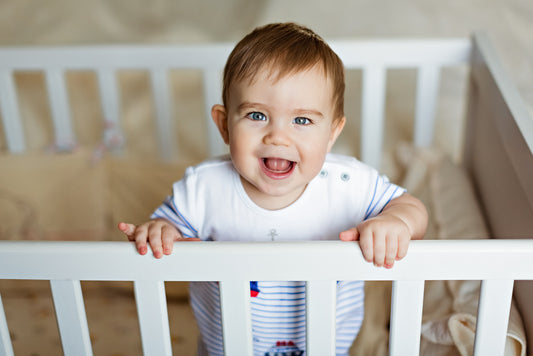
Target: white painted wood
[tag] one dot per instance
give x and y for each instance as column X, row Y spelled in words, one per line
column 463, row 259
column 14, row 133
column 406, row 317
column 373, row 114
column 508, row 90
column 6, row 349
column 163, row 107
column 59, row 106
column 109, row 97
column 493, row 316
column 71, row 317
column 212, row 80
column 123, row 56
column 403, row 53
column 282, row 261
column 393, row 53
column 427, row 91
column 321, row 298
column 153, row 317
column 236, row 317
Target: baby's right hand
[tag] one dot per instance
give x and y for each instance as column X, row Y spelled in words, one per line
column 158, row 232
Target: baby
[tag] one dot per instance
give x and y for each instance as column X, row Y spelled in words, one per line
column 283, row 109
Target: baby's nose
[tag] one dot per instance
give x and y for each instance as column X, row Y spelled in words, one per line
column 277, row 136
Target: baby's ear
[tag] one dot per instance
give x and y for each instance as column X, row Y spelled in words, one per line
column 220, row 117
column 336, row 130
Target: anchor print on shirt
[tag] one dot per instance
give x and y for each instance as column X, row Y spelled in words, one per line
column 254, row 290
column 273, row 233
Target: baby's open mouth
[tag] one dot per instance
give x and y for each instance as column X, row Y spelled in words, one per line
column 277, row 164
column 278, row 168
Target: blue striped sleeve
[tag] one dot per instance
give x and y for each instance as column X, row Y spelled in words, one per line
column 170, row 211
column 383, row 192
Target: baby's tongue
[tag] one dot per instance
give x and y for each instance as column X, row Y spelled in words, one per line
column 277, row 164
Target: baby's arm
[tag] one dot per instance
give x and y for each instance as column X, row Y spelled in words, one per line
column 158, row 232
column 385, row 237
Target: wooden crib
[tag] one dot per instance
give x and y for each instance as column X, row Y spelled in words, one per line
column 498, row 156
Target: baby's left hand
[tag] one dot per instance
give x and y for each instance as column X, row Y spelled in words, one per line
column 383, row 239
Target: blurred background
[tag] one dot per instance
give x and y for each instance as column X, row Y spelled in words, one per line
column 509, row 23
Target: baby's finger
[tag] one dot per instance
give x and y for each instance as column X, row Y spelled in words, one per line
column 403, row 245
column 379, row 249
column 142, row 248
column 140, row 237
column 391, row 251
column 168, row 236
column 349, row 235
column 154, row 238
column 366, row 243
column 127, row 229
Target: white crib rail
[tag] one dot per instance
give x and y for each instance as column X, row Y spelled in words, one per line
column 319, row 263
column 106, row 61
column 374, row 58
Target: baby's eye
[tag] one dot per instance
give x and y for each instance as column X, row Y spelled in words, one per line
column 257, row 116
column 301, row 121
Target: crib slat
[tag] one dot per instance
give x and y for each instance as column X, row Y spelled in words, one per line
column 6, row 349
column 163, row 108
column 493, row 317
column 109, row 98
column 212, row 94
column 236, row 317
column 372, row 114
column 57, row 93
column 153, row 317
column 406, row 317
column 10, row 113
column 426, row 103
column 320, row 310
column 71, row 317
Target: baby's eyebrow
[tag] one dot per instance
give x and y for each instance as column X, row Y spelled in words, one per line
column 311, row 112
column 296, row 112
column 248, row 105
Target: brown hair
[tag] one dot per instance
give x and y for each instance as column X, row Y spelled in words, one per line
column 285, row 48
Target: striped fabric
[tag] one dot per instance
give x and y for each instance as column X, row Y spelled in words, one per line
column 278, row 315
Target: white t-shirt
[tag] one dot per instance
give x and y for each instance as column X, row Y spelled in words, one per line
column 210, row 203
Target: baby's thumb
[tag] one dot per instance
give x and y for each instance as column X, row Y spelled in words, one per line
column 349, row 235
column 126, row 228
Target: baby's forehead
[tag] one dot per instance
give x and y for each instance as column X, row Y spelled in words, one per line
column 273, row 73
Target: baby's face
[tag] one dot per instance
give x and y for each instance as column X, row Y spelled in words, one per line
column 279, row 134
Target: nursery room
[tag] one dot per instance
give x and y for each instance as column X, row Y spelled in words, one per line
column 104, row 106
